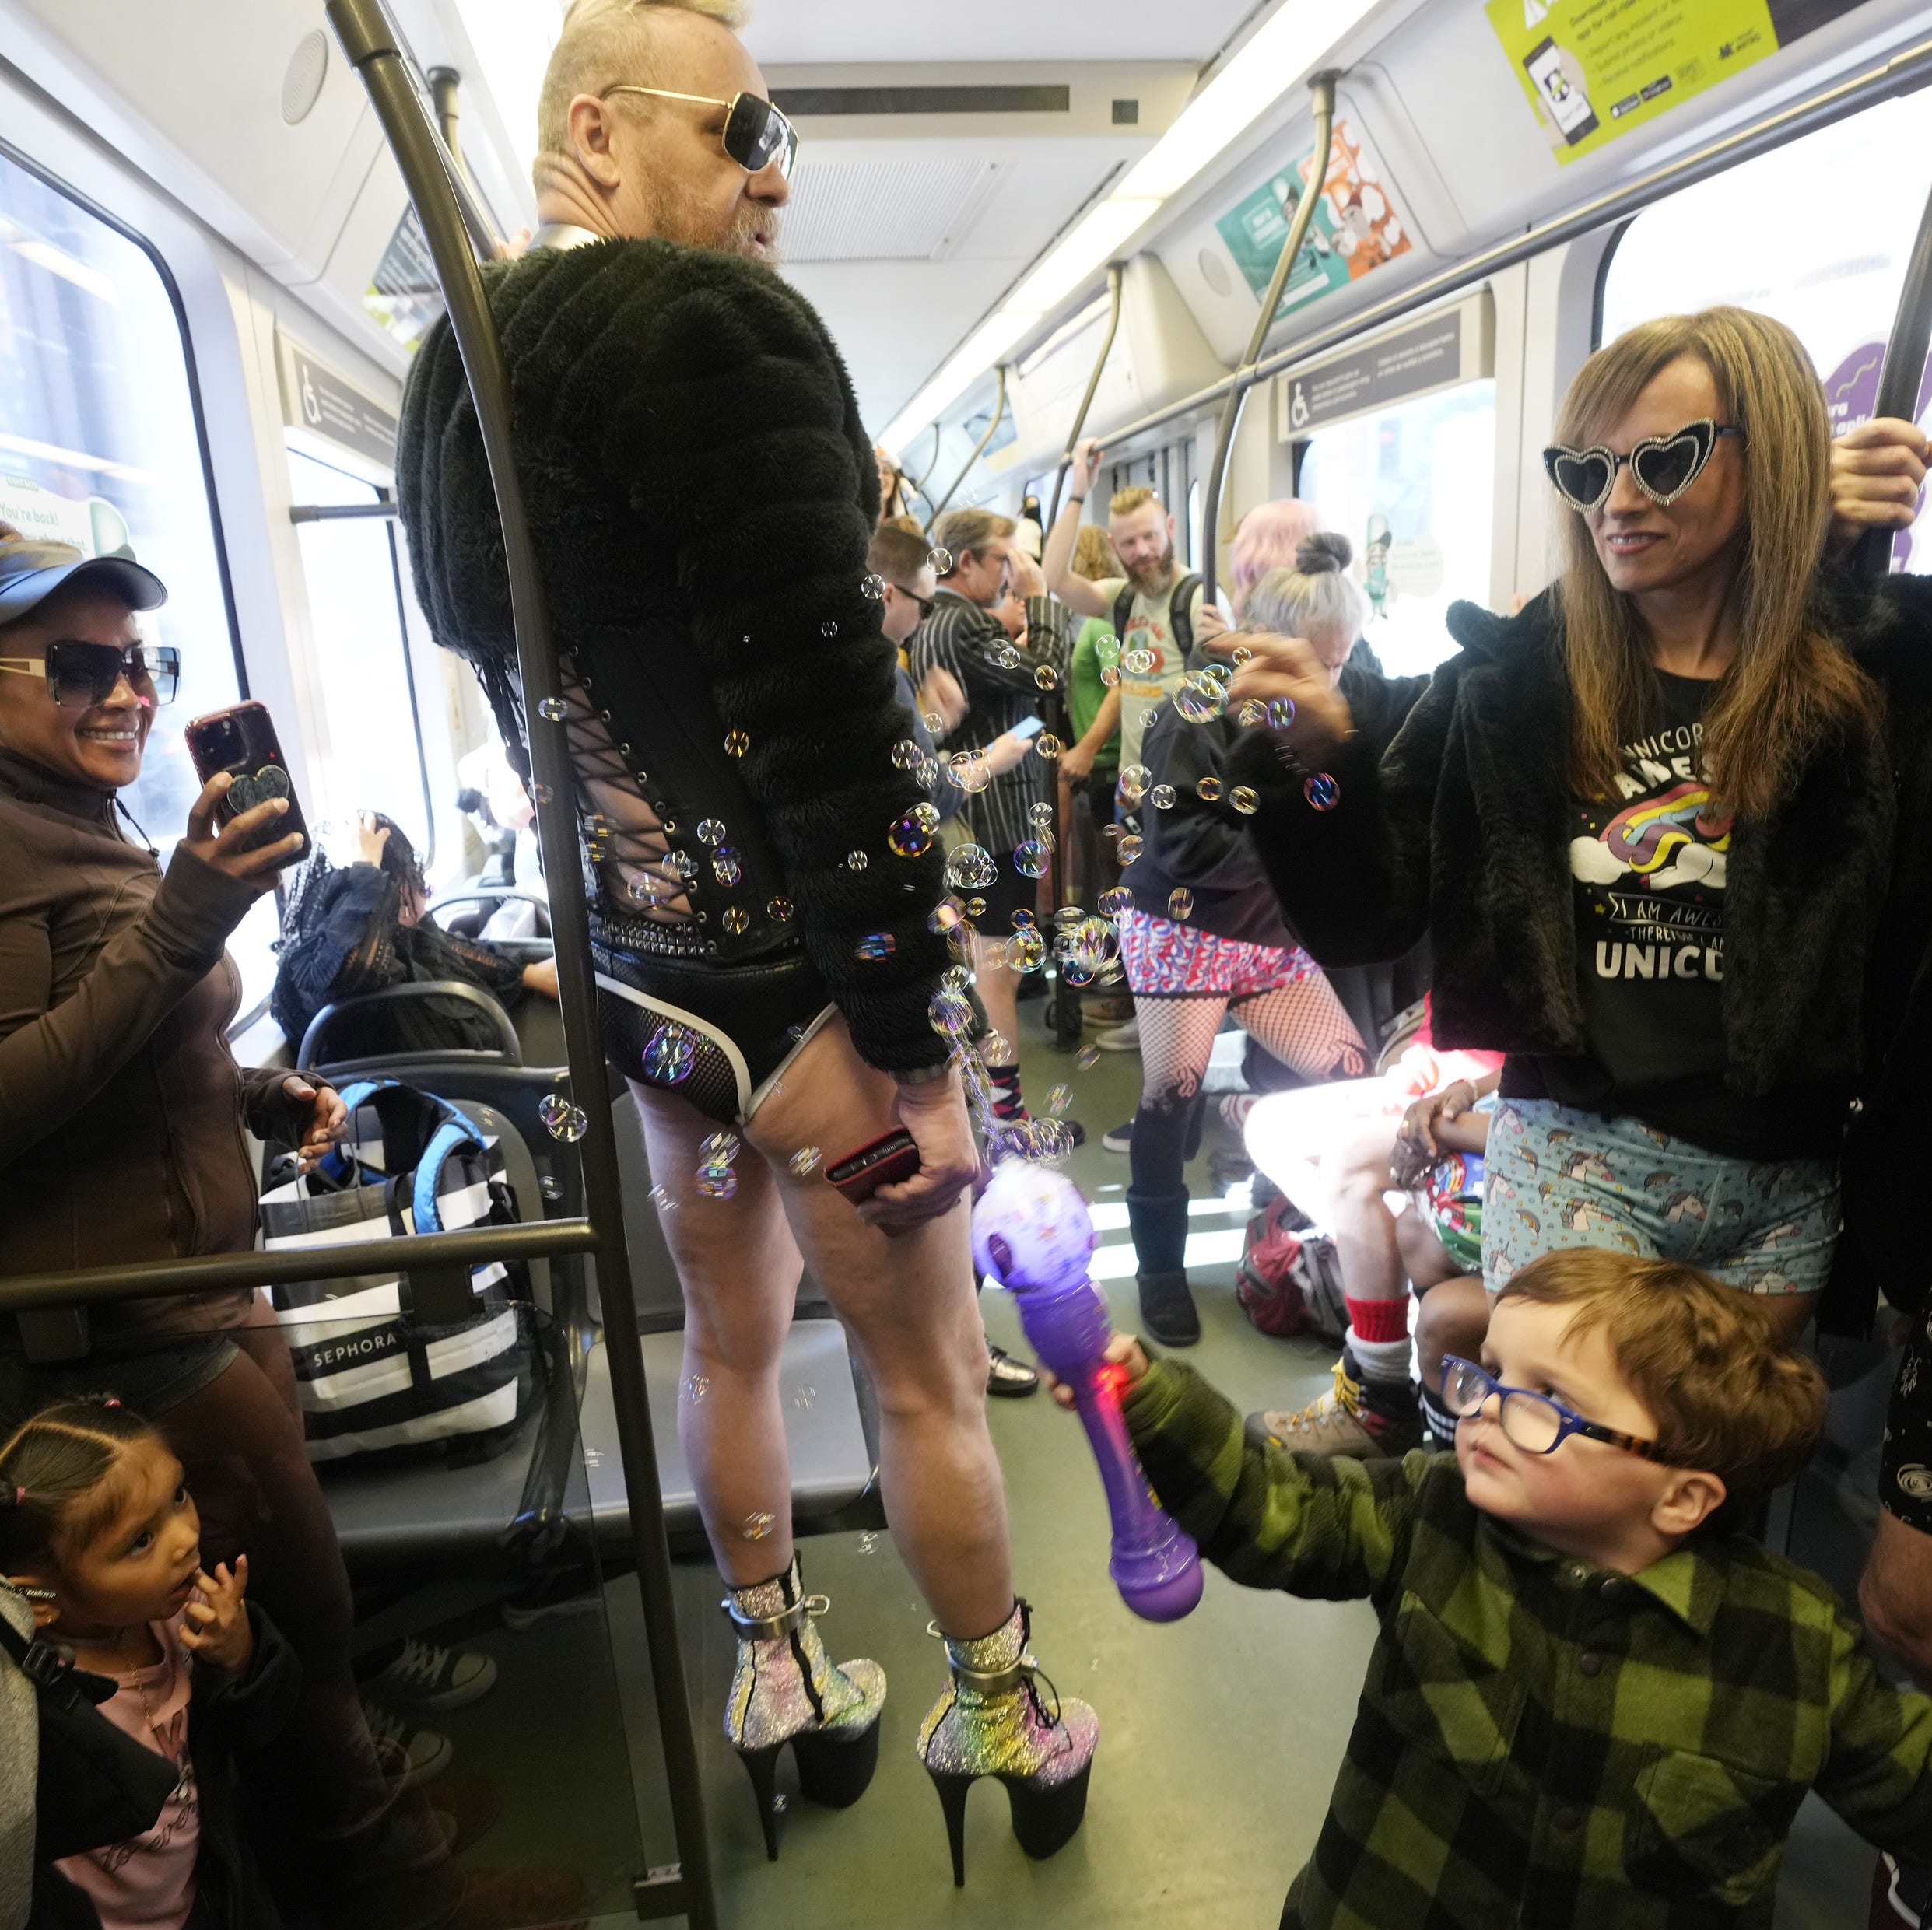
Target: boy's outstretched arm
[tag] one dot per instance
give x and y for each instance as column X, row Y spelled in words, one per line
column 1337, row 1529
column 1878, row 1773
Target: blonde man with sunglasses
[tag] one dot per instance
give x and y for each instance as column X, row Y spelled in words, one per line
column 761, row 893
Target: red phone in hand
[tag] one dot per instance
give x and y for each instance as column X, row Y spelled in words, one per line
column 884, row 1163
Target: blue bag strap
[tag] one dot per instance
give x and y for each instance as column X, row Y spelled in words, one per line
column 458, row 1131
column 335, row 1165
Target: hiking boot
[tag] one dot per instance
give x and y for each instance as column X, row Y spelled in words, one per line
column 1344, row 1421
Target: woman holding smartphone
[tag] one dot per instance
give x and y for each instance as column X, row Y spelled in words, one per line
column 123, row 1117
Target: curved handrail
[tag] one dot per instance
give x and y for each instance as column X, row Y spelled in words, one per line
column 1904, row 371
column 1116, row 273
column 507, row 1042
column 979, row 449
column 919, row 488
column 1322, row 87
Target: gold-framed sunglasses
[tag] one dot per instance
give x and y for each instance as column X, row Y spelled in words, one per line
column 756, row 134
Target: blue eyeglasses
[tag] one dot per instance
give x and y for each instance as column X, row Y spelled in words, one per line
column 1537, row 1423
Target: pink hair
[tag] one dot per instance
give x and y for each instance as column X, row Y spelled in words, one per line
column 1268, row 539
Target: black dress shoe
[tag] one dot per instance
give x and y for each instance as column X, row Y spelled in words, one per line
column 1167, row 1309
column 1008, row 1377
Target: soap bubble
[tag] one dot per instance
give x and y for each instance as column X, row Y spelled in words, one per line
column 1033, row 859
column 1180, row 902
column 925, row 814
column 779, row 911
column 737, row 922
column 1322, row 791
column 681, row 864
column 827, row 628
column 1138, row 662
column 1281, row 712
column 1252, row 715
column 1241, row 654
column 720, row 1149
column 975, row 908
column 1133, row 781
column 736, row 743
column 934, row 723
column 711, row 832
column 1130, row 849
column 662, row 1200
column 1208, row 790
column 1026, row 950
column 945, row 915
column 956, row 978
column 1200, row 699
column 696, row 1387
column 949, row 1013
column 1110, row 675
column 873, row 588
column 993, row 1049
column 562, row 1120
column 542, row 794
column 878, row 944
column 941, row 560
column 1022, row 916
column 553, row 708
column 1244, row 800
column 909, row 838
column 1040, row 815
column 717, row 1182
column 1047, row 677
column 970, row 868
column 907, row 754
column 1069, row 915
column 969, row 770
column 1093, row 945
column 1047, row 745
column 856, row 860
column 669, row 1055
column 804, row 1162
column 1115, row 901
column 725, row 866
column 1089, row 1057
column 1059, row 1099
column 1006, row 656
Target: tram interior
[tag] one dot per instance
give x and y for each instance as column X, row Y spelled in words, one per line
column 211, row 284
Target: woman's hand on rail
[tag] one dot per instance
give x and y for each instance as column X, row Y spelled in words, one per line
column 227, row 849
column 933, row 1112
column 1877, row 470
column 323, row 1124
column 1287, row 667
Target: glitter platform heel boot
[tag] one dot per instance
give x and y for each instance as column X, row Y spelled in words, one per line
column 992, row 1720
column 786, row 1690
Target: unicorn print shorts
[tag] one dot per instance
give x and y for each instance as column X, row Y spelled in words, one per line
column 1559, row 1178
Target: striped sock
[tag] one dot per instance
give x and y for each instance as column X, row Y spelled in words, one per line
column 1008, row 1106
column 1437, row 1419
column 1379, row 1338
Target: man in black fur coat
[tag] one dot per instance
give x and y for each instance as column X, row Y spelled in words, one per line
column 761, row 882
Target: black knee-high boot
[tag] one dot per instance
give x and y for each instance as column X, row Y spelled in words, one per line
column 1160, row 1225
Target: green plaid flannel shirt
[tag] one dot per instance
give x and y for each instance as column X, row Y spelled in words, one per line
column 1539, row 1742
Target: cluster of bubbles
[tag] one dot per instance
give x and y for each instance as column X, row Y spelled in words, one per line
column 970, row 868
column 562, row 1119
column 1115, row 902
column 1203, row 697
column 715, row 1179
column 969, row 770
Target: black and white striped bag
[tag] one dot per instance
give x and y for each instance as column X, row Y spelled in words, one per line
column 372, row 1377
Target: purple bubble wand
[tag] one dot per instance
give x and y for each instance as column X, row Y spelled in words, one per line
column 1032, row 1233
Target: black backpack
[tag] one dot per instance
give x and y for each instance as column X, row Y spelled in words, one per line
column 1180, row 614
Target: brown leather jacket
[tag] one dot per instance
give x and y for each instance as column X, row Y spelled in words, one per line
column 121, row 1109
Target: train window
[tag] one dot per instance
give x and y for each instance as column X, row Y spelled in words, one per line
column 1817, row 234
column 100, row 445
column 375, row 759
column 1411, row 488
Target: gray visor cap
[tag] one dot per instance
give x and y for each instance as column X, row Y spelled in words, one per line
column 30, row 572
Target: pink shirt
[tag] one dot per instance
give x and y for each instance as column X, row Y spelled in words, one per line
column 147, row 1881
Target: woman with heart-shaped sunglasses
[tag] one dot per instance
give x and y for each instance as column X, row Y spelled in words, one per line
column 1669, row 827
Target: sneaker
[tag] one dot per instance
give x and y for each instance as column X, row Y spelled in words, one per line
column 409, row 1757
column 554, row 1597
column 1106, row 1008
column 1123, row 1038
column 1901, row 1894
column 1119, row 1139
column 1342, row 1423
column 1006, row 1376
column 426, row 1675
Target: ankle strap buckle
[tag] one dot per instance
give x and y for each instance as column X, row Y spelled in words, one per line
column 987, row 1681
column 775, row 1627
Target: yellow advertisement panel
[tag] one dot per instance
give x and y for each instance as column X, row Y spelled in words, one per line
column 1596, row 69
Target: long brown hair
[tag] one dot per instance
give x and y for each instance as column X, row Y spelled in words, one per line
column 1791, row 684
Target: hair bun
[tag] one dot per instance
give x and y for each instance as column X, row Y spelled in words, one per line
column 1326, row 550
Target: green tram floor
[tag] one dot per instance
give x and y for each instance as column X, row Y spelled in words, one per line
column 1221, row 1734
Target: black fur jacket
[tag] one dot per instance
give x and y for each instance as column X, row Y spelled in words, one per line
column 701, row 493
column 1459, row 829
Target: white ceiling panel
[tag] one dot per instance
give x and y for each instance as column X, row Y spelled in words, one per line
column 825, row 33
column 883, row 210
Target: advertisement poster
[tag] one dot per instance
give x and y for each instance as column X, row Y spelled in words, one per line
column 1595, row 69
column 403, row 296
column 1356, row 228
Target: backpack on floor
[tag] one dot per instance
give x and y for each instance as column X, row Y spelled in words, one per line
column 1288, row 1280
column 372, row 1377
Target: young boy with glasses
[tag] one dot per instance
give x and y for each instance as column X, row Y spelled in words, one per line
column 1592, row 1702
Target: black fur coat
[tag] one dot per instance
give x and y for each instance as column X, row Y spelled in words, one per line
column 1459, row 829
column 701, row 494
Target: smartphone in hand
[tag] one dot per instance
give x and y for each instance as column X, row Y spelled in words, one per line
column 242, row 740
column 885, row 1162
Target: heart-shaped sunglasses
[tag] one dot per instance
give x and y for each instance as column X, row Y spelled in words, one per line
column 1663, row 466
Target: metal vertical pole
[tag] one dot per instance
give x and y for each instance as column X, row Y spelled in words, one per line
column 1323, row 86
column 372, row 45
column 1903, row 372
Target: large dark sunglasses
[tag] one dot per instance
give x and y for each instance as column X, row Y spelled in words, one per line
column 1537, row 1423
column 80, row 675
column 756, row 133
column 1663, row 466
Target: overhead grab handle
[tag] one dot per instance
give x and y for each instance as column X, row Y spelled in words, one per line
column 1903, row 372
column 979, row 450
column 1116, row 273
column 1322, row 88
